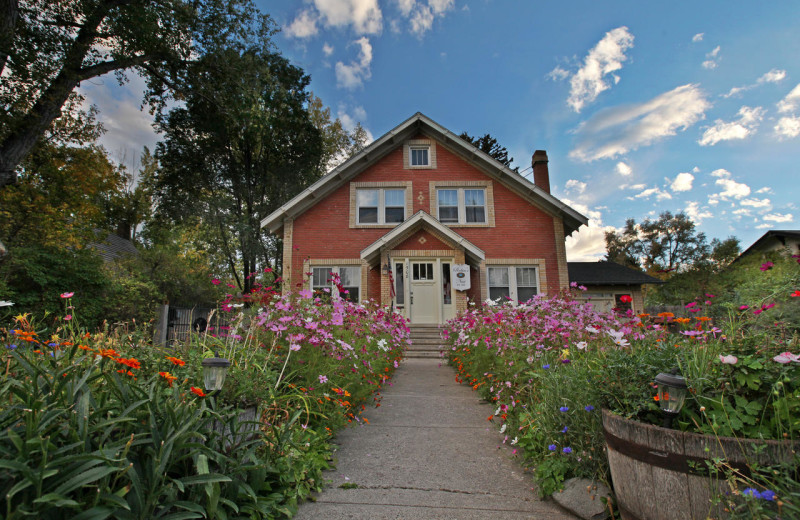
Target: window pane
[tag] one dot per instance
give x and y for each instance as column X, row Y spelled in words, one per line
column 350, row 276
column 322, row 277
column 446, row 292
column 399, row 285
column 419, row 157
column 395, row 198
column 352, row 294
column 498, row 277
column 526, row 293
column 415, row 274
column 499, row 292
column 368, row 215
column 367, row 198
column 526, row 276
column 473, row 197
column 394, row 215
column 448, row 198
column 448, row 214
column 475, row 214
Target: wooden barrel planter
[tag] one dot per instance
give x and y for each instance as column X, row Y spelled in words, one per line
column 659, row 473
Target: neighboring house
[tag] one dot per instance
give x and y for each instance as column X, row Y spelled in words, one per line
column 112, row 246
column 419, row 212
column 606, row 283
column 787, row 240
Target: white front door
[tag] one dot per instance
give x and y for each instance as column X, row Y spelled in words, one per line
column 424, row 293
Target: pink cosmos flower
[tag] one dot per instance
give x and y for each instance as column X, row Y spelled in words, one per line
column 786, row 357
column 215, row 281
column 323, row 379
column 766, row 266
column 744, row 307
column 728, row 360
column 690, row 305
column 68, row 317
column 67, row 294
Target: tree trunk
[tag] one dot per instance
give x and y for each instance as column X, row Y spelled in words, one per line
column 9, row 13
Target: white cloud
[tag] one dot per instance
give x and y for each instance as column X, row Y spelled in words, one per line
column 757, row 203
column 406, row 6
column 637, row 186
column 353, row 75
column 790, row 102
column 660, row 195
column 421, row 20
column 363, row 15
column 765, row 189
column 327, row 49
column 749, row 118
column 615, row 131
column 743, row 212
column 558, row 73
column 694, row 212
column 683, row 182
column 576, row 186
column 605, row 58
column 441, row 6
column 788, row 127
column 773, row 76
column 349, row 122
column 698, row 37
column 764, row 226
column 712, row 59
column 305, row 25
column 730, row 188
column 589, row 242
column 777, row 217
column 623, row 169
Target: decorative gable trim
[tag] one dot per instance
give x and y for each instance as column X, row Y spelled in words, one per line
column 372, row 253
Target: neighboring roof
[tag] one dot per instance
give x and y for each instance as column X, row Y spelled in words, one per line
column 416, row 124
column 419, row 220
column 607, row 273
column 777, row 234
column 113, row 247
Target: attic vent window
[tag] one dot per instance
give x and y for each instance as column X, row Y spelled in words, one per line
column 420, row 156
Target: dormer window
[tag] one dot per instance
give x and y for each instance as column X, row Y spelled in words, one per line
column 420, row 156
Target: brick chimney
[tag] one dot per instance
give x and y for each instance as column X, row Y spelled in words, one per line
column 541, row 176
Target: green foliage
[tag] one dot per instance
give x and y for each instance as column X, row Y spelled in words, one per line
column 551, row 474
column 489, row 145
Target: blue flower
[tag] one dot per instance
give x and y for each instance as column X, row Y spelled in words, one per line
column 751, row 492
column 564, row 430
column 552, row 447
column 545, row 367
column 11, row 347
column 768, row 494
column 567, row 450
column 588, row 408
column 564, row 409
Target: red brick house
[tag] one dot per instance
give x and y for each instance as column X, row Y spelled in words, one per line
column 419, row 212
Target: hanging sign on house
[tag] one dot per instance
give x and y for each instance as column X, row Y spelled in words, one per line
column 460, row 277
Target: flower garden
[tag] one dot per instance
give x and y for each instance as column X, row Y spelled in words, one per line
column 103, row 424
column 549, row 366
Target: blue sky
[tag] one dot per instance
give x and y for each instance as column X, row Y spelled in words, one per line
column 642, row 107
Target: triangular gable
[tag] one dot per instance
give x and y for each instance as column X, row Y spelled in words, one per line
column 421, row 220
column 416, row 124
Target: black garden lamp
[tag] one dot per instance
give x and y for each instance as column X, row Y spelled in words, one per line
column 671, row 395
column 214, row 371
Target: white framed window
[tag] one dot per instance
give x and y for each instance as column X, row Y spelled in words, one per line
column 380, row 206
column 461, row 205
column 419, row 156
column 517, row 283
column 349, row 279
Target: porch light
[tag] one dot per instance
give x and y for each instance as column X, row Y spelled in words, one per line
column 671, row 395
column 387, row 269
column 214, row 371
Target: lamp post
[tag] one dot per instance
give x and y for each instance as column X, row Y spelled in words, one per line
column 671, row 395
column 214, row 371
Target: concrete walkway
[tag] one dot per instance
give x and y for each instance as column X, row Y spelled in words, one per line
column 428, row 453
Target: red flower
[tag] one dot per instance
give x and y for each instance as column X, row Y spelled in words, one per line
column 198, row 391
column 796, row 293
column 625, row 298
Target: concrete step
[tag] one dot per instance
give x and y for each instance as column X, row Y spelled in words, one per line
column 422, row 354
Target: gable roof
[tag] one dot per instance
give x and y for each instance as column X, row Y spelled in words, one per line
column 607, row 273
column 416, row 124
column 419, row 220
column 777, row 234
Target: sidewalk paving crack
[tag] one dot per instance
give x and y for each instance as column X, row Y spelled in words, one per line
column 445, row 490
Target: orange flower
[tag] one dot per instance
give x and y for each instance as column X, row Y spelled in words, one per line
column 84, row 347
column 683, row 320
column 703, row 318
column 666, row 315
column 198, row 391
column 169, row 377
column 131, row 363
column 176, row 361
column 643, row 315
column 108, row 353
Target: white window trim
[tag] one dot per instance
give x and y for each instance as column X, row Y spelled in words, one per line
column 395, row 185
column 462, row 207
column 381, row 207
column 335, row 269
column 411, row 150
column 512, row 280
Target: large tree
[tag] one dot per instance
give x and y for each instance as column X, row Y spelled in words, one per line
column 241, row 145
column 47, row 48
column 489, row 145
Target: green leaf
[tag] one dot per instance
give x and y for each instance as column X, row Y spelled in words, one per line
column 95, row 513
column 204, row 479
column 85, row 478
column 56, row 500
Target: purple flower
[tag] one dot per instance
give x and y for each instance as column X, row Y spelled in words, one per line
column 564, row 430
column 552, row 447
column 588, row 408
column 545, row 367
column 567, row 450
column 751, row 492
column 564, row 409
column 768, row 494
